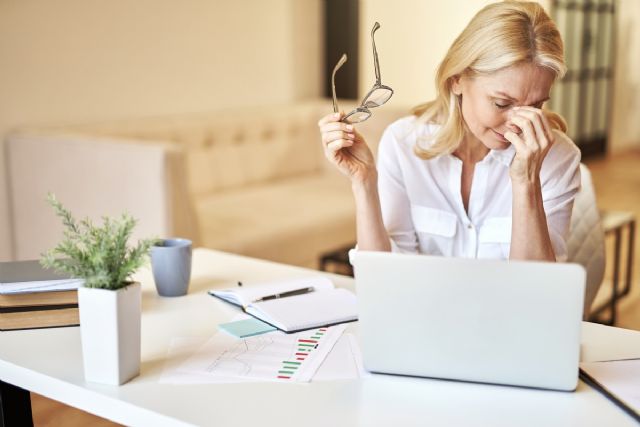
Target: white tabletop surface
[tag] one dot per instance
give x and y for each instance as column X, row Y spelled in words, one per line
column 49, row 362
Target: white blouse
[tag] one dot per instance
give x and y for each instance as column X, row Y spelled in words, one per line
column 422, row 205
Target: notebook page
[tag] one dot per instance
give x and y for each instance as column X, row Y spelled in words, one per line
column 249, row 292
column 307, row 311
column 621, row 378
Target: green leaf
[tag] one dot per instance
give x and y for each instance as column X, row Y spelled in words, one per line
column 99, row 254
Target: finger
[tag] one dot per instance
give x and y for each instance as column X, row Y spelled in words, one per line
column 519, row 144
column 535, row 118
column 358, row 136
column 333, row 117
column 338, row 145
column 540, row 119
column 329, row 137
column 523, row 150
column 528, row 131
column 545, row 122
column 333, row 126
column 547, row 128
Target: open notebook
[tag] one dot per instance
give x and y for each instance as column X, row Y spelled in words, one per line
column 294, row 305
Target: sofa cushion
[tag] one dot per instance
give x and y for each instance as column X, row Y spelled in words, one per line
column 286, row 221
column 233, row 147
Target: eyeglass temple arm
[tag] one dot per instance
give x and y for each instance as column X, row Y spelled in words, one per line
column 340, row 63
column 375, row 53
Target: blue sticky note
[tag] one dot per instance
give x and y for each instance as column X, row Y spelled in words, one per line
column 246, row 328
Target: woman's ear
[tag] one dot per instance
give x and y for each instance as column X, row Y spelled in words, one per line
column 456, row 86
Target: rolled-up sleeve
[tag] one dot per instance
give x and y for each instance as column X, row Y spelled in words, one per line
column 560, row 180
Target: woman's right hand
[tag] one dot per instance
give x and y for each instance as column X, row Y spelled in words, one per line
column 346, row 148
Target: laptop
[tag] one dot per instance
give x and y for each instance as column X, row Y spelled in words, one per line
column 490, row 321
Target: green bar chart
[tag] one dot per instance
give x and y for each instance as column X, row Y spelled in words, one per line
column 305, row 345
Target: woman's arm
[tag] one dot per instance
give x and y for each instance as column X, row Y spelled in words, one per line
column 347, row 150
column 529, row 231
column 530, row 238
column 371, row 234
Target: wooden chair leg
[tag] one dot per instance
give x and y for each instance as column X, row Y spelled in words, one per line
column 616, row 292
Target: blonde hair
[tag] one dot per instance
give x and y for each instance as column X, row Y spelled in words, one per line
column 499, row 36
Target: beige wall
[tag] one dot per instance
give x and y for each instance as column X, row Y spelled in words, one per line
column 413, row 38
column 82, row 60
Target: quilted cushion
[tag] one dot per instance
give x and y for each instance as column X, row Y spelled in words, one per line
column 586, row 237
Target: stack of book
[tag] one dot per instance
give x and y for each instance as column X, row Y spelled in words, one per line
column 34, row 297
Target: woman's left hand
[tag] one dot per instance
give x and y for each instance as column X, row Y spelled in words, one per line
column 532, row 144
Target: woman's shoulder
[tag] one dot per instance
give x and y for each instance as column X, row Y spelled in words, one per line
column 562, row 160
column 414, row 124
column 407, row 130
column 563, row 148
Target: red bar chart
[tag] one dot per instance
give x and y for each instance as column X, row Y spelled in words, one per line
column 304, row 348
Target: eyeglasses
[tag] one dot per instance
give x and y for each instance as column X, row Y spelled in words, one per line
column 378, row 95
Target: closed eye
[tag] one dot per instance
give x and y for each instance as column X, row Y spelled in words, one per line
column 503, row 106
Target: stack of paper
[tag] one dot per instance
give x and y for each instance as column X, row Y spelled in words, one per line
column 40, row 286
column 29, row 276
column 33, row 297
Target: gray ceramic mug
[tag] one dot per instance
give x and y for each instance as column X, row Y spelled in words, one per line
column 171, row 266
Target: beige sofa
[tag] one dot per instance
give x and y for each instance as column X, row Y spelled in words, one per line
column 252, row 181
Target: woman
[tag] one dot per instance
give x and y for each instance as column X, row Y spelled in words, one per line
column 481, row 171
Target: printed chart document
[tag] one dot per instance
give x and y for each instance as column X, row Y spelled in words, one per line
column 344, row 362
column 180, row 349
column 274, row 356
column 618, row 380
column 294, row 305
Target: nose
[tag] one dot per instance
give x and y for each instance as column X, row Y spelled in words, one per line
column 510, row 126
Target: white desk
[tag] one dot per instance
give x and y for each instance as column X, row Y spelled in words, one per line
column 49, row 362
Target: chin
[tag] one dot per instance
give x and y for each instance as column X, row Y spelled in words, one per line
column 492, row 144
column 495, row 141
column 501, row 145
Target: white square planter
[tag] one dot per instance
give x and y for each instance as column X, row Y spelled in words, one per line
column 110, row 332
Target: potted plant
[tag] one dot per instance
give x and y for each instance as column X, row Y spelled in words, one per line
column 109, row 302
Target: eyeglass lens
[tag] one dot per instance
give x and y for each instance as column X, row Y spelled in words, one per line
column 377, row 97
column 357, row 116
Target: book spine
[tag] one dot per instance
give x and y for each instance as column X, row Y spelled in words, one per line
column 36, row 308
column 36, row 319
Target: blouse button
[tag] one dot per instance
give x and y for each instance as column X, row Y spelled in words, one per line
column 469, row 226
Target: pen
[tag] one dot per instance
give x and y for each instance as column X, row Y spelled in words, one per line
column 286, row 294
